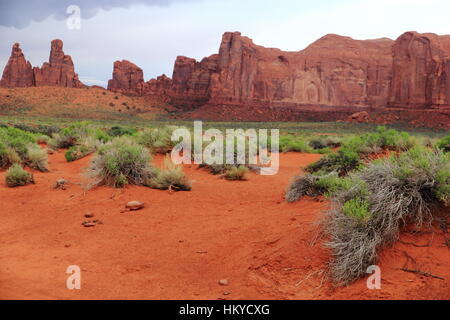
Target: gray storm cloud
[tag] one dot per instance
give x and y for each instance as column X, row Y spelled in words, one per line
column 20, row 13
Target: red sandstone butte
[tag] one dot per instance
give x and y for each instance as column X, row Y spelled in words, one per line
column 18, row 72
column 127, row 78
column 59, row 71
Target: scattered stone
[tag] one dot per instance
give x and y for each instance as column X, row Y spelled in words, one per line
column 226, row 293
column 60, row 184
column 91, row 223
column 88, row 224
column 223, row 282
column 89, row 215
column 134, row 205
column 359, row 117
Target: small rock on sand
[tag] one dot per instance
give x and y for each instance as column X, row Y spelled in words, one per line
column 223, row 282
column 89, row 224
column 134, row 205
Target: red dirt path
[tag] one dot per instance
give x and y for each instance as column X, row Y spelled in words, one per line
column 180, row 245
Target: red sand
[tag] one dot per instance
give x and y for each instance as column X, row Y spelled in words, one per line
column 180, row 245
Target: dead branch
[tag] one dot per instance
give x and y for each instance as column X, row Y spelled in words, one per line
column 426, row 274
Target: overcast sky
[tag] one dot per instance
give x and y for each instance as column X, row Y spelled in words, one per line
column 151, row 33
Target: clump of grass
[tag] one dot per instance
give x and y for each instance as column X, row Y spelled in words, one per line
column 314, row 185
column 291, row 143
column 118, row 131
column 121, row 162
column 76, row 133
column 383, row 197
column 354, row 150
column 157, row 140
column 444, row 143
column 171, row 177
column 236, row 173
column 301, row 186
column 8, row 156
column 16, row 176
column 325, row 142
column 59, row 141
column 37, row 158
column 85, row 148
column 17, row 139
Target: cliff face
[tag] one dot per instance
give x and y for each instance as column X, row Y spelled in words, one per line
column 334, row 71
column 59, row 71
column 18, row 72
column 421, row 71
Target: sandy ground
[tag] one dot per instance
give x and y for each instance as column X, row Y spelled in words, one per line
column 180, row 245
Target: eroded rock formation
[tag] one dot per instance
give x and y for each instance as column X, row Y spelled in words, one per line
column 59, row 71
column 18, row 72
column 127, row 78
column 335, row 71
column 421, row 71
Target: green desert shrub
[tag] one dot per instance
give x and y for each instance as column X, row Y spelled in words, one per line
column 83, row 149
column 357, row 208
column 16, row 176
column 76, row 133
column 314, row 185
column 47, row 130
column 291, row 143
column 325, row 142
column 8, row 156
column 444, row 143
column 170, row 177
column 355, row 149
column 157, row 140
column 118, row 131
column 17, row 139
column 25, row 127
column 39, row 129
column 121, row 162
column 236, row 173
column 59, row 141
column 37, row 158
column 385, row 195
column 301, row 186
column 77, row 152
column 344, row 161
